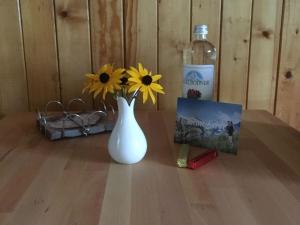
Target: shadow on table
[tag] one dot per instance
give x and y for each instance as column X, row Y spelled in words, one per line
column 269, row 149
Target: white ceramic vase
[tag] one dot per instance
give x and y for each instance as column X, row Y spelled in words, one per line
column 127, row 143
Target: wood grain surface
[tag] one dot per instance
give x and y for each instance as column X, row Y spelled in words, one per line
column 13, row 83
column 74, row 181
column 107, row 36
column 40, row 52
column 236, row 24
column 265, row 37
column 141, row 38
column 288, row 91
column 107, row 32
column 73, row 25
column 172, row 40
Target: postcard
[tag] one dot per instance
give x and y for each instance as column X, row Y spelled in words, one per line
column 208, row 124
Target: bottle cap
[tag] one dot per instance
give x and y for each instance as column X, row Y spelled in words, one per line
column 201, row 29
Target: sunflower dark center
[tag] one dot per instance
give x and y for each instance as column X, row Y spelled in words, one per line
column 147, row 80
column 124, row 80
column 103, row 77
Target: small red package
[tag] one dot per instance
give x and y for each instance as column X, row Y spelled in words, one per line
column 202, row 159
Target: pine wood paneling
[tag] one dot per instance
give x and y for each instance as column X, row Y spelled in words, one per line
column 40, row 51
column 107, row 32
column 288, row 100
column 107, row 36
column 141, row 37
column 13, row 85
column 73, row 38
column 174, row 35
column 202, row 11
column 236, row 23
column 264, row 54
column 46, row 47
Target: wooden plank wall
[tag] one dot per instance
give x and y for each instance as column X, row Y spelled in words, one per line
column 40, row 50
column 47, row 45
column 13, row 85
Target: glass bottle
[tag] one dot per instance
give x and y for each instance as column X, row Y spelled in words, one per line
column 198, row 66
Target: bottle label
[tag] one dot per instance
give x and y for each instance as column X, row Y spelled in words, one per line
column 198, row 81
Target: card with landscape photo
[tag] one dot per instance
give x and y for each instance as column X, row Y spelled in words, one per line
column 208, row 124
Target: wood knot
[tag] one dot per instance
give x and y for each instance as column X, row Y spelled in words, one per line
column 235, row 58
column 297, row 31
column 46, row 210
column 64, row 14
column 288, row 75
column 266, row 34
column 245, row 40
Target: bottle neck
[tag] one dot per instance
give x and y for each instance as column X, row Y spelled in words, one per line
column 200, row 36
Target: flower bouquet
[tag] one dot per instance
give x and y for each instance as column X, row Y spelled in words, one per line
column 127, row 143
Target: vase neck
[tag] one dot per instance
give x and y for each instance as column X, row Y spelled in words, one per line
column 124, row 107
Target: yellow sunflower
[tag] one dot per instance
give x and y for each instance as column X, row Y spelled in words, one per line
column 141, row 79
column 105, row 80
column 87, row 85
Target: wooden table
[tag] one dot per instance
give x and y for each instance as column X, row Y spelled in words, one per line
column 74, row 182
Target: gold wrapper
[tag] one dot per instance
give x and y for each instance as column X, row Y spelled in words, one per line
column 183, row 155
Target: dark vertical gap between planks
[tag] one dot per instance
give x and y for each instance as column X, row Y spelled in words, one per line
column 279, row 55
column 219, row 52
column 91, row 44
column 191, row 21
column 91, row 36
column 57, row 51
column 157, row 49
column 90, row 33
column 24, row 58
column 249, row 57
column 124, row 31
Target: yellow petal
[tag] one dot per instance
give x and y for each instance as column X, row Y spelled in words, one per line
column 142, row 89
column 95, row 86
column 87, row 86
column 117, row 86
column 145, row 95
column 156, row 77
column 134, row 69
column 134, row 79
column 159, row 91
column 141, row 69
column 151, row 95
column 110, row 89
column 145, row 72
column 156, row 86
column 102, row 69
column 134, row 88
column 97, row 92
column 104, row 93
column 133, row 73
column 100, row 86
column 92, row 76
column 118, row 72
column 107, row 68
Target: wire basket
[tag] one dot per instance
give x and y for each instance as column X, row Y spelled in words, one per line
column 67, row 124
